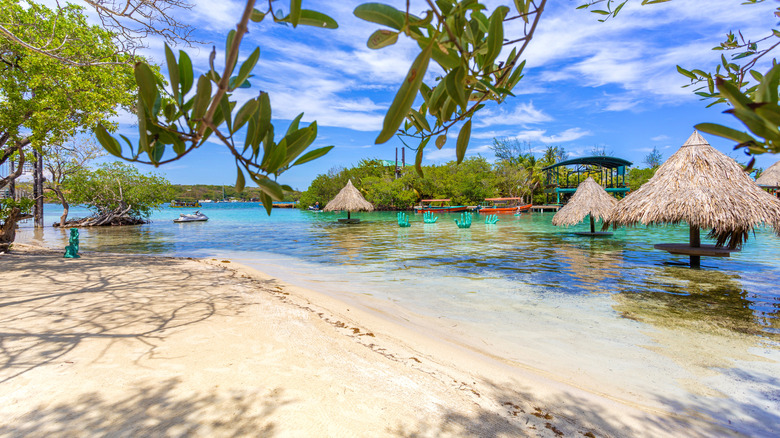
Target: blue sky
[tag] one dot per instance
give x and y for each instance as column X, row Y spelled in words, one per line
column 611, row 85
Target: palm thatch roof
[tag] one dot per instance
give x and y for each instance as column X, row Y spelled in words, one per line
column 589, row 199
column 770, row 177
column 705, row 188
column 349, row 199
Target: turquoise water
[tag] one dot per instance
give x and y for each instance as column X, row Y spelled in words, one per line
column 523, row 290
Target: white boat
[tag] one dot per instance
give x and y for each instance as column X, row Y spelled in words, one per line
column 194, row 217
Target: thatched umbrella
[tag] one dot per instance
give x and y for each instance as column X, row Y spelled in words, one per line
column 349, row 199
column 706, row 189
column 590, row 199
column 770, row 178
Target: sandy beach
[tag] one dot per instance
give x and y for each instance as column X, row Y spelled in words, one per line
column 118, row 345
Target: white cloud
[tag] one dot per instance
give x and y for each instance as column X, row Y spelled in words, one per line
column 523, row 114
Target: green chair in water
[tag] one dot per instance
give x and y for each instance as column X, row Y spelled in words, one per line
column 465, row 221
column 72, row 250
column 403, row 220
column 429, row 218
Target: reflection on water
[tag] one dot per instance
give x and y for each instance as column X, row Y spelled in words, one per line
column 702, row 300
column 735, row 293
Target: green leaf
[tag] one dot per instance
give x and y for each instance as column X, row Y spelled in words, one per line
column 522, row 8
column 257, row 16
column 202, row 98
column 108, row 142
column 732, row 93
column 247, row 66
column 147, row 85
column 454, row 83
column 686, row 73
column 312, row 155
column 405, row 97
column 295, row 12
column 381, row 14
column 317, row 19
column 767, row 90
column 244, row 114
column 725, row 132
column 294, row 124
column 271, row 188
column 240, row 181
column 441, row 141
column 224, row 105
column 495, row 37
column 770, row 113
column 267, row 202
column 448, row 59
column 178, row 145
column 228, row 43
column 298, row 141
column 143, row 140
column 463, row 141
column 185, row 73
column 418, row 160
column 382, row 38
column 173, row 72
column 420, row 119
column 156, row 154
column 276, row 157
column 263, row 116
column 757, row 125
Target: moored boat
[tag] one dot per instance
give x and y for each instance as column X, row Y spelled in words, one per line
column 185, row 204
column 504, row 206
column 438, row 206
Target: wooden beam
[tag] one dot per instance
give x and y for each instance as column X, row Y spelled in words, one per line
column 703, row 250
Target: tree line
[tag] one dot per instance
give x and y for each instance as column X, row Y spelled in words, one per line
column 516, row 172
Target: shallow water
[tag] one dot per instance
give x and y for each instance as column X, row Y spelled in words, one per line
column 595, row 312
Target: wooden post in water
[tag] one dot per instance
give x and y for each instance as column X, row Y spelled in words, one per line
column 592, row 225
column 695, row 243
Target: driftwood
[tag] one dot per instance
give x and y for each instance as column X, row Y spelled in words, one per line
column 115, row 217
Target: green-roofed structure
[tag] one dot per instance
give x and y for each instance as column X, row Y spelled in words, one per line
column 609, row 171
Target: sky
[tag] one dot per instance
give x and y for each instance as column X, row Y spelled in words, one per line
column 612, row 86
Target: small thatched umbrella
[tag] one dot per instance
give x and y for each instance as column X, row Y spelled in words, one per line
column 590, row 199
column 705, row 188
column 349, row 199
column 770, row 178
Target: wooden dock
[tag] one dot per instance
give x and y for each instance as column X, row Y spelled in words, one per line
column 543, row 208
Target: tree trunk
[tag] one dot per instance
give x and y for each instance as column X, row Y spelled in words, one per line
column 65, row 205
column 8, row 230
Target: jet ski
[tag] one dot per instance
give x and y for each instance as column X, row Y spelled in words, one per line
column 194, row 217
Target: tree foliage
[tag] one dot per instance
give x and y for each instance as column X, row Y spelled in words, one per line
column 654, row 159
column 467, row 183
column 63, row 160
column 116, row 191
column 45, row 101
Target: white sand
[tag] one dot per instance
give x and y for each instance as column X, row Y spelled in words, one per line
column 139, row 346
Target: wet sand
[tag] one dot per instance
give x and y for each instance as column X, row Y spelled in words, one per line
column 150, row 346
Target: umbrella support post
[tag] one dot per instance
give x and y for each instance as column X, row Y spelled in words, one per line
column 592, row 225
column 695, row 243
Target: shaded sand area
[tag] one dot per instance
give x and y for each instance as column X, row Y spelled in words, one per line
column 138, row 346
